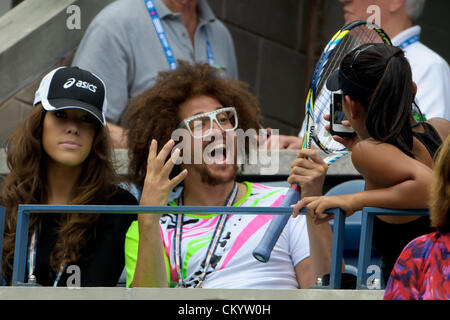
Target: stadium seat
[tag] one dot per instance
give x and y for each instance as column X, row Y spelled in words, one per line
column 352, row 228
column 352, row 223
column 351, row 186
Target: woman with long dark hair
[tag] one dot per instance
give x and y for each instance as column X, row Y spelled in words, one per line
column 393, row 149
column 61, row 154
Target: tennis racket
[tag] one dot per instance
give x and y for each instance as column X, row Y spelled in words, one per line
column 345, row 40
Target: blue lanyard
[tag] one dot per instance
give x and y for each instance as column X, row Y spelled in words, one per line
column 32, row 261
column 32, row 257
column 165, row 42
column 212, row 245
column 409, row 41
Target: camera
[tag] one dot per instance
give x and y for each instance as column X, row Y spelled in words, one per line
column 337, row 116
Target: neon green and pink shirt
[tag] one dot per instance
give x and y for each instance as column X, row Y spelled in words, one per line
column 232, row 265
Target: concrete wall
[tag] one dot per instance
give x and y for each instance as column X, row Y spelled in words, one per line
column 34, row 38
column 48, row 293
column 436, row 27
column 5, row 5
column 277, row 44
column 280, row 167
column 271, row 49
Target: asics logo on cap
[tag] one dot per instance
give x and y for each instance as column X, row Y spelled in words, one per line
column 80, row 84
column 69, row 83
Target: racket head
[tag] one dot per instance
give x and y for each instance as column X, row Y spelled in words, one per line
column 317, row 105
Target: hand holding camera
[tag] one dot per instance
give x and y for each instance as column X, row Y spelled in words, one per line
column 339, row 126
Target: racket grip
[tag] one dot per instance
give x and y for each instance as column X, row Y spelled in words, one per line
column 264, row 249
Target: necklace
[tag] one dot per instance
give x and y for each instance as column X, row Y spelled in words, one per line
column 212, row 245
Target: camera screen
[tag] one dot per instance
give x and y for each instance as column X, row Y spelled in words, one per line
column 338, row 114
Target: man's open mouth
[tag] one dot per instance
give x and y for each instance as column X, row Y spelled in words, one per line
column 219, row 153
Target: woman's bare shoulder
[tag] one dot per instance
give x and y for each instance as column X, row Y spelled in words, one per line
column 383, row 163
column 369, row 147
column 441, row 125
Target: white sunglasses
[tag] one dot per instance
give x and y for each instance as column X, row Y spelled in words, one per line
column 200, row 125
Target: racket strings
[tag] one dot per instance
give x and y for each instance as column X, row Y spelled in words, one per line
column 322, row 137
column 355, row 37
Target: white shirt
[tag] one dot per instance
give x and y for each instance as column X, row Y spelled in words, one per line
column 430, row 72
column 233, row 265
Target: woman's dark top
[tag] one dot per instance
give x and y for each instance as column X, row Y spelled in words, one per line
column 102, row 258
column 430, row 138
column 390, row 239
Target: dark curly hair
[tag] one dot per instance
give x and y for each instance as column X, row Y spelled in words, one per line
column 154, row 113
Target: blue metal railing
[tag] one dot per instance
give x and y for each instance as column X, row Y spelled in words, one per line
column 365, row 243
column 368, row 213
column 20, row 254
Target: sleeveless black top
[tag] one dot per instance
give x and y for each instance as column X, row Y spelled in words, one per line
column 390, row 247
column 430, row 138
